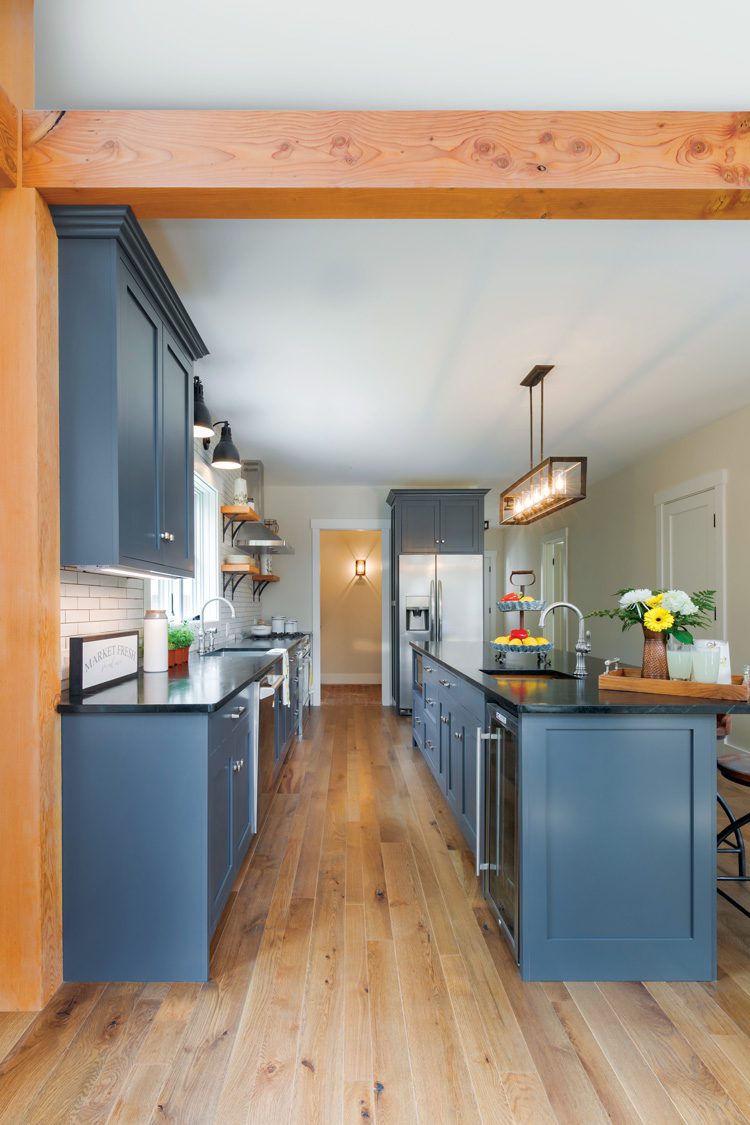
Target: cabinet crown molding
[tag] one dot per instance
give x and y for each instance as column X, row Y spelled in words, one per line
column 120, row 224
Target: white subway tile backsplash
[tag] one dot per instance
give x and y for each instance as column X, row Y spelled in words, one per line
column 92, row 603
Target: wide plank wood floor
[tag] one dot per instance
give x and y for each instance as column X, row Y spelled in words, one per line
column 359, row 977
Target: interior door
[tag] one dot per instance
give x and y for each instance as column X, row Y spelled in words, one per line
column 554, row 587
column 692, row 547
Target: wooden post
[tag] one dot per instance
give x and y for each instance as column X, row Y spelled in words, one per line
column 30, row 870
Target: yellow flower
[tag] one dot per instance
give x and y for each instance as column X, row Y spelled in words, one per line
column 657, row 620
column 655, row 600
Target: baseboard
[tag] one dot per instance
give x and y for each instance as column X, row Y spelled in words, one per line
column 350, row 678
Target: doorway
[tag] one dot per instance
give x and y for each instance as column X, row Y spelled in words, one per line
column 690, row 539
column 351, row 611
column 555, row 584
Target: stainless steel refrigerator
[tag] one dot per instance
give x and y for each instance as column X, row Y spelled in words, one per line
column 440, row 598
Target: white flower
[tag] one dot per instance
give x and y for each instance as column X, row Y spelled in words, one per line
column 635, row 597
column 677, row 601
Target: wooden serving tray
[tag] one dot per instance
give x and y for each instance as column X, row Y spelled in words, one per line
column 630, row 679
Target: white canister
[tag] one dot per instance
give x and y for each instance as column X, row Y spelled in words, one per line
column 278, row 625
column 240, row 491
column 292, row 625
column 155, row 641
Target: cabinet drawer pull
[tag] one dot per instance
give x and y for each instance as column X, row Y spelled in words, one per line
column 430, row 670
column 445, row 719
column 417, row 722
column 429, row 743
column 238, row 713
column 429, row 702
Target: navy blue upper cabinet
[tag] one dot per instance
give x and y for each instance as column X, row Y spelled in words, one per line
column 127, row 347
column 438, row 521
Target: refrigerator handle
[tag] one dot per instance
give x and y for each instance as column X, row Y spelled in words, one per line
column 439, row 610
column 433, row 630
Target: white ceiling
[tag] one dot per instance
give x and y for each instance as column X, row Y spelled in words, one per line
column 394, row 54
column 391, row 352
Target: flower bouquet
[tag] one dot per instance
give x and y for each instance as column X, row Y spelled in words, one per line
column 662, row 613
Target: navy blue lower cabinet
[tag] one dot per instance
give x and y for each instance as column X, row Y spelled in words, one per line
column 157, row 818
column 617, row 847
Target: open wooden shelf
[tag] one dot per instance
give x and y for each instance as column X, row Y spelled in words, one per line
column 235, row 572
column 240, row 513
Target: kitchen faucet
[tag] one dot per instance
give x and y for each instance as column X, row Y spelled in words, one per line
column 206, row 636
column 583, row 644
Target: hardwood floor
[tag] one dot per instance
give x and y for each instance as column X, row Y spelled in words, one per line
column 350, row 693
column 359, row 976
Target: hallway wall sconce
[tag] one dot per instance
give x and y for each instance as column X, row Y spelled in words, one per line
column 360, row 568
column 552, row 484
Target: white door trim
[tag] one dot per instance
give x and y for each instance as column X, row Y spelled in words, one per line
column 717, row 481
column 559, row 536
column 384, row 526
column 490, row 611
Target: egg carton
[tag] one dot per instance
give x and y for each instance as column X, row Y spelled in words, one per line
column 520, row 648
column 514, row 607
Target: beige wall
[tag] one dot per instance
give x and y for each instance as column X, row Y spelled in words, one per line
column 350, row 608
column 295, row 508
column 612, row 537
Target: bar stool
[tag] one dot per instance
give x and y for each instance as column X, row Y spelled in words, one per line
column 734, row 767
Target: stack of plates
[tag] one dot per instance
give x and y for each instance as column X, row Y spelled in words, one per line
column 236, row 558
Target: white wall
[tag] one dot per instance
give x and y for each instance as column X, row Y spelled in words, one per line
column 612, row 537
column 294, row 508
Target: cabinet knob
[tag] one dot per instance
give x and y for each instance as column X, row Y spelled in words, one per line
column 238, row 713
column 430, row 670
column 430, row 702
column 235, row 767
column 445, row 719
column 458, row 735
column 429, row 743
column 164, row 535
column 417, row 722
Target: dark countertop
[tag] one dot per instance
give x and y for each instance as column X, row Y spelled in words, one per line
column 526, row 694
column 205, row 684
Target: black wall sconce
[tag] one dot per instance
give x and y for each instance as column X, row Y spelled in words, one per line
column 360, row 568
column 226, row 455
column 202, row 425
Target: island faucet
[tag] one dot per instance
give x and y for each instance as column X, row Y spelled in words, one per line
column 206, row 636
column 583, row 644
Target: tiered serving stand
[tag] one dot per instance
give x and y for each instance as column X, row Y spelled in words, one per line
column 528, row 578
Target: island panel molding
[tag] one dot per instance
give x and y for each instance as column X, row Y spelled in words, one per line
column 9, row 136
column 207, row 163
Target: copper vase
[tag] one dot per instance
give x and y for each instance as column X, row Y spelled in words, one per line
column 654, row 666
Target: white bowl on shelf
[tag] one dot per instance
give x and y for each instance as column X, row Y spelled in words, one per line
column 260, row 630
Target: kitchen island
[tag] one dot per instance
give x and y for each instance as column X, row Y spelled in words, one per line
column 591, row 814
column 166, row 780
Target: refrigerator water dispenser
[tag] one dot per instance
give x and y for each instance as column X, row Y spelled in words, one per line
column 417, row 614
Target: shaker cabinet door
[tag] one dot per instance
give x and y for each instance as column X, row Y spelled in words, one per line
column 220, row 843
column 462, row 525
column 139, row 422
column 177, row 456
column 420, row 526
column 240, row 765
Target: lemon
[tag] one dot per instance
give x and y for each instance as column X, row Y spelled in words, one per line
column 542, row 641
column 515, row 641
column 530, row 641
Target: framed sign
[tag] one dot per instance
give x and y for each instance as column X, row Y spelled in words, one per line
column 101, row 661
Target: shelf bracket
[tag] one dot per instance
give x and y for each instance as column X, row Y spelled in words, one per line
column 235, row 525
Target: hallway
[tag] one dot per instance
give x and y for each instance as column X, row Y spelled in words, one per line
column 359, row 976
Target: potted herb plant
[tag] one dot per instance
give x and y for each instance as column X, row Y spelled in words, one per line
column 180, row 638
column 661, row 614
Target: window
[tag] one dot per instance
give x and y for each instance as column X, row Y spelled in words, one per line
column 182, row 598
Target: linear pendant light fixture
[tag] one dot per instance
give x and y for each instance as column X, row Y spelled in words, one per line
column 552, row 484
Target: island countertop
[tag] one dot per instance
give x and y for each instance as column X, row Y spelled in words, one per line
column 204, row 684
column 520, row 694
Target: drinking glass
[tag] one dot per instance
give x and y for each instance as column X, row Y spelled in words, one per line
column 706, row 665
column 679, row 660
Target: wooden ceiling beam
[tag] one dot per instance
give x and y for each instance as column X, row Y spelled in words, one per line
column 211, row 164
column 8, row 141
